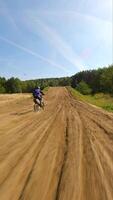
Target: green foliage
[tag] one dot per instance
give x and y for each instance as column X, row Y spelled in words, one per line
column 2, row 85
column 100, row 80
column 45, row 89
column 2, row 89
column 102, row 100
column 24, row 86
column 13, row 85
column 108, row 107
column 95, row 81
column 106, row 80
column 84, row 88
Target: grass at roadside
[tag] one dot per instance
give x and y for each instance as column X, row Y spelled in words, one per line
column 104, row 101
column 45, row 89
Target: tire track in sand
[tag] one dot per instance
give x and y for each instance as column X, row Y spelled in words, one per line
column 62, row 153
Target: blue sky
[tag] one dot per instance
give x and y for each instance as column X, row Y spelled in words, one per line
column 49, row 38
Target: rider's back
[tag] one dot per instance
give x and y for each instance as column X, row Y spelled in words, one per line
column 36, row 93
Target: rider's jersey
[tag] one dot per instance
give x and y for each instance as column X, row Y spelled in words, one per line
column 37, row 93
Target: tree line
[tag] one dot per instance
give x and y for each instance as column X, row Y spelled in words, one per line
column 15, row 85
column 94, row 81
column 88, row 81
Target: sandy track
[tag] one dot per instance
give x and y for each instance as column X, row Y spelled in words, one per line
column 62, row 153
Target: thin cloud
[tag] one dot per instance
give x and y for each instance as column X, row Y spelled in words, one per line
column 99, row 29
column 60, row 45
column 33, row 53
column 5, row 12
column 48, row 33
column 69, row 14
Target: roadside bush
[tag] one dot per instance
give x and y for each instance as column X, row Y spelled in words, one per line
column 84, row 88
column 13, row 85
column 2, row 89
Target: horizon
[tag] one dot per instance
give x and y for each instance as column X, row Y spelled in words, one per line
column 54, row 39
column 56, row 76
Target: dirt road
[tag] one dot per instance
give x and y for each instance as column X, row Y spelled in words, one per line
column 62, row 153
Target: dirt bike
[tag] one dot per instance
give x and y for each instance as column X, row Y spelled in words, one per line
column 38, row 104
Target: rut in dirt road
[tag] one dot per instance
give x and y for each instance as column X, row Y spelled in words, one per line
column 62, row 153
